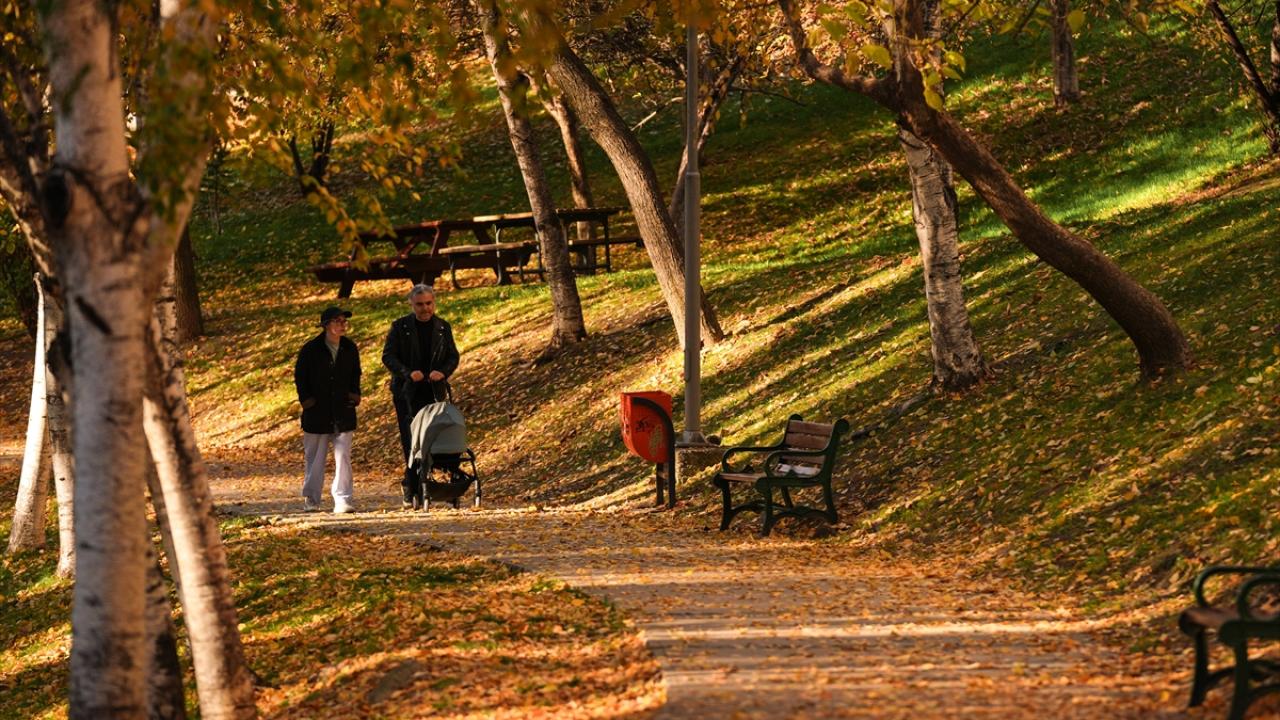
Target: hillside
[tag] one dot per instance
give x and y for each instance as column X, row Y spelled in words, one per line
column 1065, row 467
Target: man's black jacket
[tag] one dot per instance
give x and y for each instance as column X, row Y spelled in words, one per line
column 328, row 387
column 401, row 353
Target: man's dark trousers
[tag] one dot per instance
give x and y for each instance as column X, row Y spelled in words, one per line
column 405, row 412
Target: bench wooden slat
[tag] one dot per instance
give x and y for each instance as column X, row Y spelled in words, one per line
column 383, row 268
column 741, row 477
column 1211, row 618
column 488, row 248
column 598, row 241
column 803, row 441
column 810, row 428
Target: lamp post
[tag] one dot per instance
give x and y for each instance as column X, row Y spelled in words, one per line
column 692, row 434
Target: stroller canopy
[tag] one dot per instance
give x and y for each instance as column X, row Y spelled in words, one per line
column 437, row 429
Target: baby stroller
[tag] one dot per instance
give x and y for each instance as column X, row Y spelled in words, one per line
column 440, row 456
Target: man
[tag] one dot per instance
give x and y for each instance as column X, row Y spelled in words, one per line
column 327, row 376
column 421, row 356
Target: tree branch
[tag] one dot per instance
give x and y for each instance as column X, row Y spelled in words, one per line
column 873, row 88
column 1250, row 70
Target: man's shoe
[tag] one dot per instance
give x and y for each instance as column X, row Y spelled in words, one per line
column 309, row 505
column 341, row 507
column 407, row 504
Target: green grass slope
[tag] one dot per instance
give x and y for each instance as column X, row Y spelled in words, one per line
column 1064, row 466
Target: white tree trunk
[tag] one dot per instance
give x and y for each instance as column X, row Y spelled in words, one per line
column 97, row 227
column 58, row 384
column 957, row 361
column 30, row 509
column 166, row 699
column 198, row 557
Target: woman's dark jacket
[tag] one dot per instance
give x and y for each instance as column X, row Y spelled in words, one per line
column 401, row 353
column 328, row 387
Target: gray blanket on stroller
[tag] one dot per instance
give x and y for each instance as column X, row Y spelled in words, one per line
column 437, row 428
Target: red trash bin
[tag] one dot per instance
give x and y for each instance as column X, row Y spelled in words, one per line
column 647, row 432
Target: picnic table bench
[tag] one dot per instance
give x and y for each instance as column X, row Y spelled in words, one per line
column 803, row 459
column 423, row 251
column 1248, row 618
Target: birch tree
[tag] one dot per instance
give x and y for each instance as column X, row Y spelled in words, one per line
column 27, row 530
column 911, row 94
column 957, row 361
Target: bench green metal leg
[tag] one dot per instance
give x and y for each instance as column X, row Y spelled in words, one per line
column 727, row 513
column 830, row 497
column 786, row 498
column 1240, row 693
column 769, row 520
column 1200, row 679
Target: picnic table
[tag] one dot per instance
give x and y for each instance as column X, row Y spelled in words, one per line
column 424, row 252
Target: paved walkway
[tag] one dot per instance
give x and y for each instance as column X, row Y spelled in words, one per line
column 753, row 628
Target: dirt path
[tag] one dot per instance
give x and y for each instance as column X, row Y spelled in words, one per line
column 753, row 628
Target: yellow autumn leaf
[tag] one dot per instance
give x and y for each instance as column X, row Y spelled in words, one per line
column 933, row 99
column 877, row 54
column 1075, row 20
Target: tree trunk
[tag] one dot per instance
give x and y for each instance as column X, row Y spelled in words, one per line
column 58, row 384
column 30, row 509
column 957, row 361
column 1160, row 343
column 567, row 326
column 717, row 93
column 97, row 224
column 314, row 176
column 567, row 122
column 1275, row 53
column 166, row 699
column 640, row 182
column 223, row 682
column 1268, row 97
column 187, row 290
column 1066, row 84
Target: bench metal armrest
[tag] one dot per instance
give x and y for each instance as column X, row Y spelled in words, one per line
column 775, row 456
column 724, row 459
column 1270, row 577
column 1214, row 570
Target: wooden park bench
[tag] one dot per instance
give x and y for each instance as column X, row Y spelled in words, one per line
column 423, row 252
column 585, row 249
column 1235, row 625
column 497, row 255
column 803, row 459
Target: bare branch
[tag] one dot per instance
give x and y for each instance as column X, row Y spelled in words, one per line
column 958, row 22
column 661, row 106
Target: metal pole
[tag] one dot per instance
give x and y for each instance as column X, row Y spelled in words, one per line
column 692, row 257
